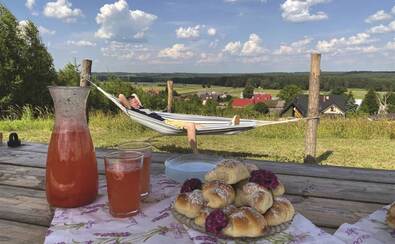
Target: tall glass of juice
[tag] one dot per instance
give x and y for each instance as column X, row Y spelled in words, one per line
column 146, row 149
column 123, row 172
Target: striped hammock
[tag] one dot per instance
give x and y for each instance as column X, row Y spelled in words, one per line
column 172, row 123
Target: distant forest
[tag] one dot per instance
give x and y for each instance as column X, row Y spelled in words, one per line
column 380, row 81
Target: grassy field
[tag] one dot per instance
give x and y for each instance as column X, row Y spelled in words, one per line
column 235, row 92
column 353, row 142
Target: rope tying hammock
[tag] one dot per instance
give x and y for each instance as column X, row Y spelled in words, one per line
column 173, row 124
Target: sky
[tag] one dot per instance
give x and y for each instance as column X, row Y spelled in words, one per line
column 215, row 36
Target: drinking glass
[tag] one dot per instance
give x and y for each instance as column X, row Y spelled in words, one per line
column 146, row 149
column 123, row 172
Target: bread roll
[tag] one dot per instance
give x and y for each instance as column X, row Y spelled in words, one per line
column 282, row 211
column 391, row 216
column 245, row 222
column 255, row 196
column 218, row 194
column 189, row 203
column 279, row 190
column 228, row 171
column 200, row 220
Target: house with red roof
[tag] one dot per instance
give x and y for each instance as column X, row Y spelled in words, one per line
column 256, row 98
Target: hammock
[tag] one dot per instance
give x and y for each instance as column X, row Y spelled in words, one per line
column 204, row 124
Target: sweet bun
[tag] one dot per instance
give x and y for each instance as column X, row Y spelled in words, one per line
column 279, row 190
column 255, row 196
column 200, row 220
column 391, row 217
column 229, row 171
column 189, row 203
column 218, row 194
column 251, row 167
column 282, row 211
column 245, row 222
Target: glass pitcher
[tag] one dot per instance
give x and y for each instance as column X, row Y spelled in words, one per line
column 71, row 173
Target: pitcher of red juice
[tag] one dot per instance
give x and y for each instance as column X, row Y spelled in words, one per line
column 71, row 173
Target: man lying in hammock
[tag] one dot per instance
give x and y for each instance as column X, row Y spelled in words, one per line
column 133, row 102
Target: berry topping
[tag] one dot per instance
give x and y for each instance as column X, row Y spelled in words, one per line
column 264, row 178
column 216, row 221
column 190, row 185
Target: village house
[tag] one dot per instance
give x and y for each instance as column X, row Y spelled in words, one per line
column 329, row 105
column 212, row 95
column 256, row 98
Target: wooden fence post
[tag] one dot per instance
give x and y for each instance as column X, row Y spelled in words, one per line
column 85, row 72
column 85, row 76
column 313, row 109
column 169, row 96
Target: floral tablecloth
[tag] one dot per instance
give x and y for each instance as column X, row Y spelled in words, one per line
column 371, row 230
column 154, row 224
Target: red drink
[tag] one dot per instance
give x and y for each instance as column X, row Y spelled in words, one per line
column 123, row 172
column 145, row 148
column 71, row 175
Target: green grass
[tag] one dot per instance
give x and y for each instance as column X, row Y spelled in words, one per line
column 353, row 142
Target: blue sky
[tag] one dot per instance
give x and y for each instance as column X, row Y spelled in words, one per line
column 215, row 35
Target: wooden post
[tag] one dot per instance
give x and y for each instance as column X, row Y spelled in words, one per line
column 313, row 109
column 85, row 72
column 169, row 96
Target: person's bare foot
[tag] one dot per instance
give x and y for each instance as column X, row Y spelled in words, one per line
column 236, row 120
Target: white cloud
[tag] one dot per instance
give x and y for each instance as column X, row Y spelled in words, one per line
column 30, row 4
column 46, row 31
column 211, row 31
column 296, row 47
column 62, row 9
column 336, row 44
column 391, row 45
column 81, row 43
column 188, row 32
column 252, row 47
column 299, row 10
column 177, row 51
column 232, row 48
column 117, row 22
column 380, row 15
column 379, row 29
column 210, row 58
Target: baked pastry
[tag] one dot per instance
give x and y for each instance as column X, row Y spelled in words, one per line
column 245, row 222
column 200, row 220
column 282, row 211
column 251, row 167
column 229, row 171
column 218, row 194
column 254, row 195
column 279, row 190
column 391, row 216
column 189, row 203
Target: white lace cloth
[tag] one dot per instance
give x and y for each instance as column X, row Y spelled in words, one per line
column 154, row 224
column 371, row 230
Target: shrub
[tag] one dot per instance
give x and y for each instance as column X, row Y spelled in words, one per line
column 261, row 108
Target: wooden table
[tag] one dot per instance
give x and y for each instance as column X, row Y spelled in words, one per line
column 328, row 196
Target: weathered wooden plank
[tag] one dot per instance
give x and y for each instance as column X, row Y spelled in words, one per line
column 14, row 232
column 24, row 205
column 30, row 206
column 28, row 155
column 296, row 185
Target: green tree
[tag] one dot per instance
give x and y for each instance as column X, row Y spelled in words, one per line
column 370, row 104
column 339, row 91
column 351, row 107
column 248, row 92
column 261, row 108
column 391, row 102
column 39, row 71
column 11, row 62
column 69, row 75
column 289, row 92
